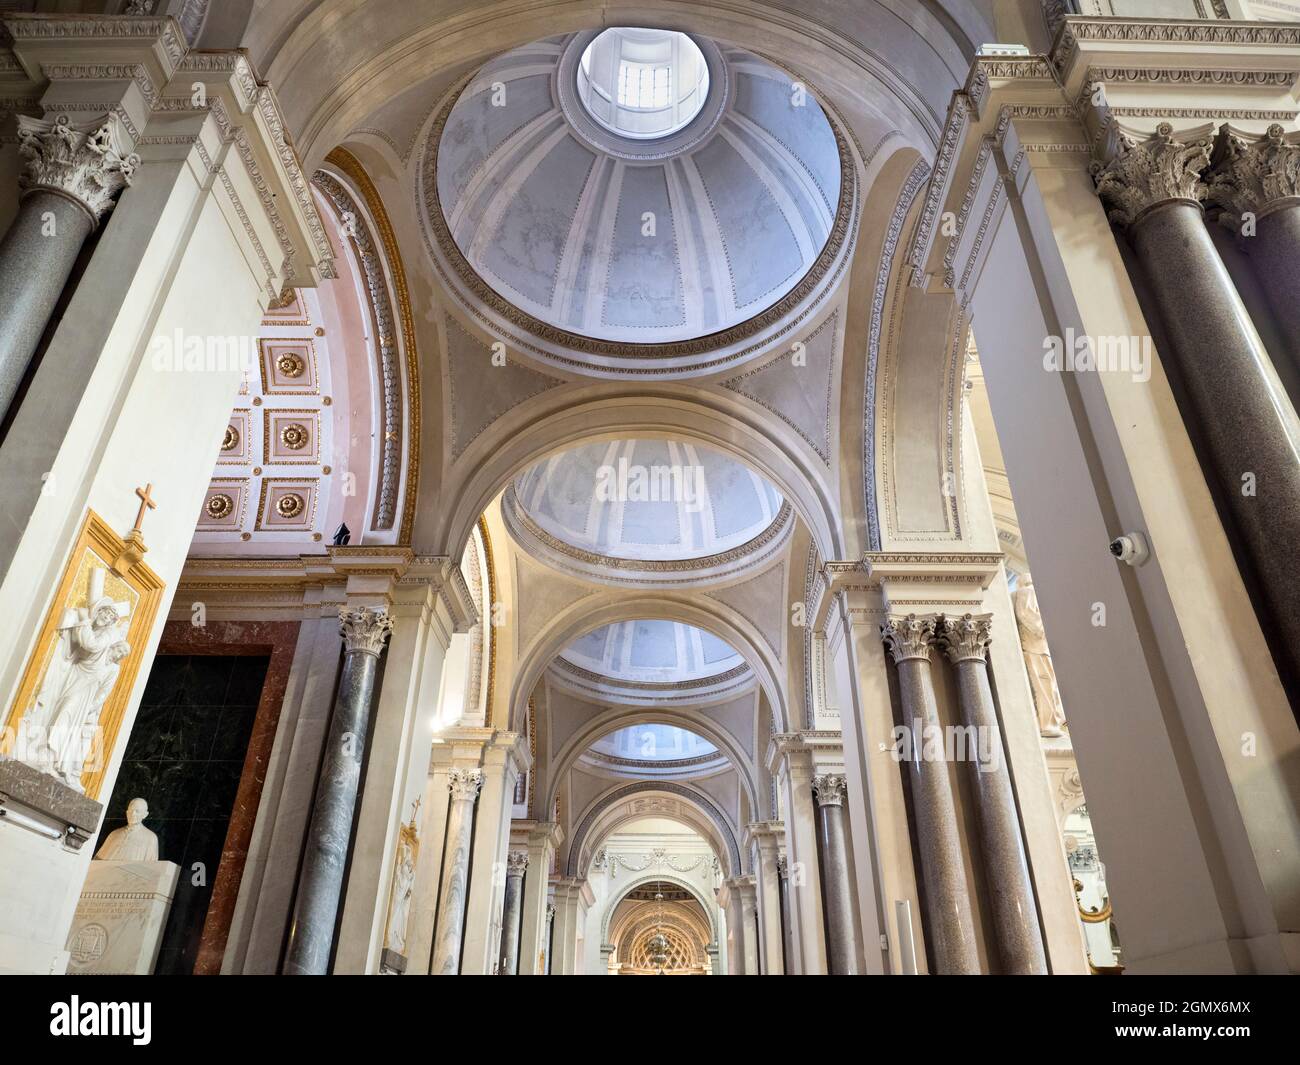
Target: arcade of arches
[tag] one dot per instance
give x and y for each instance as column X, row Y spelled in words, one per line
column 677, row 488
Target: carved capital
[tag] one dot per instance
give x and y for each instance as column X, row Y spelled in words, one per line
column 782, row 867
column 83, row 162
column 829, row 789
column 516, row 863
column 1254, row 175
column 464, row 783
column 364, row 629
column 909, row 637
column 1153, row 172
column 964, row 638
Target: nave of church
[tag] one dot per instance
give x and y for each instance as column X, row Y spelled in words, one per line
column 710, row 488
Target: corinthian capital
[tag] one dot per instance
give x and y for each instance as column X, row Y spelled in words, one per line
column 516, row 863
column 909, row 637
column 965, row 637
column 364, row 629
column 82, row 162
column 1149, row 173
column 829, row 789
column 464, row 783
column 1254, row 175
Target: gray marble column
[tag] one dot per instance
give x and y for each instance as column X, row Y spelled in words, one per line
column 464, row 784
column 1247, row 430
column 829, row 790
column 787, row 919
column 549, row 937
column 1015, row 910
column 516, row 864
column 72, row 176
column 320, row 883
column 1256, row 184
column 948, row 924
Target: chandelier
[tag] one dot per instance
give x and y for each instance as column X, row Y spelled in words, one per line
column 657, row 948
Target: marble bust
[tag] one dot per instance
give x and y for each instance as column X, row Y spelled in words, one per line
column 133, row 842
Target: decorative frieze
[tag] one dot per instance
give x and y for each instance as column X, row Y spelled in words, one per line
column 364, row 630
column 84, row 162
column 1254, row 175
column 909, row 637
column 1151, row 173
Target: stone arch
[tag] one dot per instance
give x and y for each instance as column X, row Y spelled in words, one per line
column 716, row 617
column 524, row 436
column 610, row 798
column 652, row 878
column 617, row 717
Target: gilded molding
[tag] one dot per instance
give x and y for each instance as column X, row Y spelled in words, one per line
column 351, row 168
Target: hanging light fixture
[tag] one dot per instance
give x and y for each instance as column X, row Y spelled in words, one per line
column 657, row 948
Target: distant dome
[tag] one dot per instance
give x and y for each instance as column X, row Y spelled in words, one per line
column 647, row 500
column 653, row 743
column 637, row 240
column 652, row 651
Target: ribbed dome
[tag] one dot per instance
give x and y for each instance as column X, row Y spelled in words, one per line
column 663, row 652
column 637, row 241
column 647, row 500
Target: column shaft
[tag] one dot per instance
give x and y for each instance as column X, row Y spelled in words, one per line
column 842, row 951
column 320, row 884
column 1011, row 895
column 36, row 257
column 949, row 923
column 515, row 866
column 455, row 878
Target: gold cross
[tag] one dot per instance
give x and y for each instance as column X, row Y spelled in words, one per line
column 146, row 504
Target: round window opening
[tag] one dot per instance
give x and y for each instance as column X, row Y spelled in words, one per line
column 642, row 83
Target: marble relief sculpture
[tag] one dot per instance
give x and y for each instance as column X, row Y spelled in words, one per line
column 132, row 842
column 1038, row 660
column 83, row 671
column 399, row 901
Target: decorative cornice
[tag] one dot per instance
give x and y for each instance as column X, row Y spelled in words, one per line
column 1078, row 29
column 829, row 789
column 1254, row 175
column 364, row 630
column 82, row 162
column 464, row 784
column 964, row 637
column 167, row 31
column 1152, row 173
column 909, row 637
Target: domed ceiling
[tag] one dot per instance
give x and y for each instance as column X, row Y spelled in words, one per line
column 653, row 743
column 652, row 651
column 634, row 239
column 647, row 500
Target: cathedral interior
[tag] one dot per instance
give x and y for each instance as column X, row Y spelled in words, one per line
column 678, row 487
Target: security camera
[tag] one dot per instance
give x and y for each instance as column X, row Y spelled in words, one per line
column 1131, row 548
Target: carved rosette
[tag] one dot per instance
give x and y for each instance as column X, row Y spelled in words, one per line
column 1254, row 175
column 83, row 162
column 965, row 638
column 829, row 789
column 909, row 637
column 1151, row 173
column 516, row 863
column 364, row 630
column 464, row 784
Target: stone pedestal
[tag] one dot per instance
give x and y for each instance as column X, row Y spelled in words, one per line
column 120, row 918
